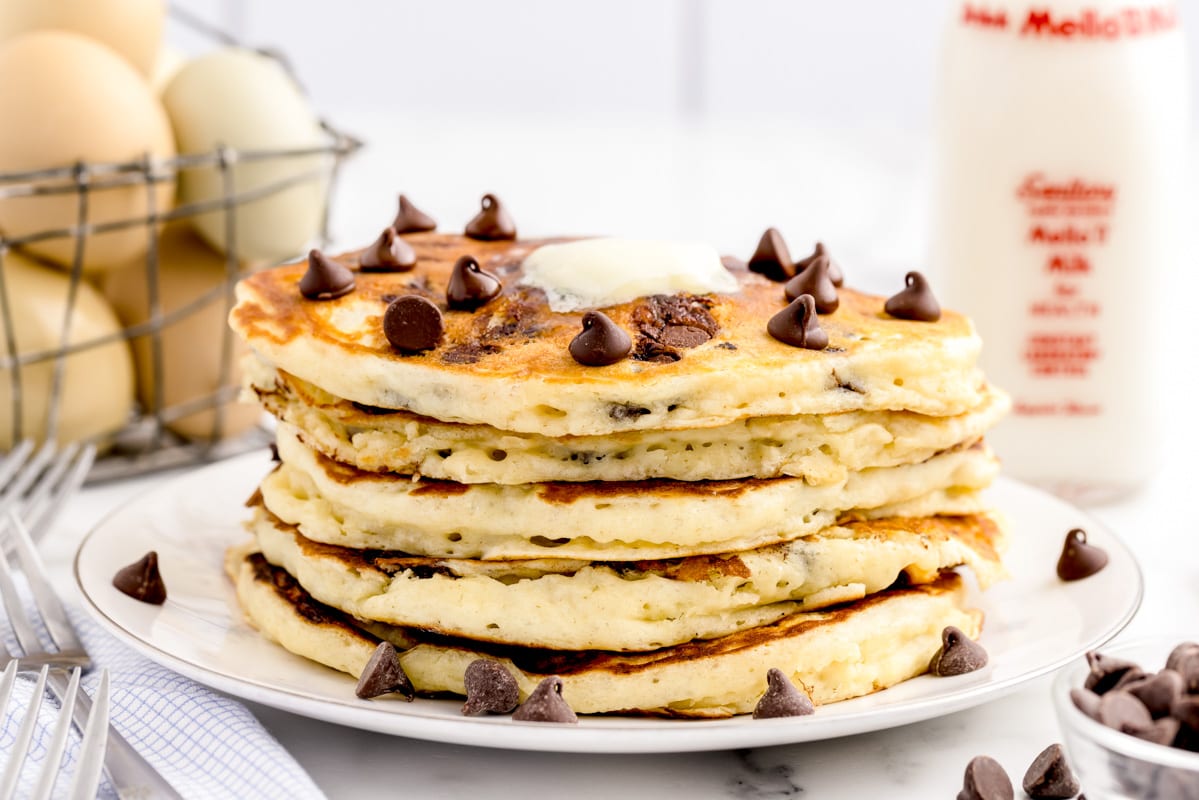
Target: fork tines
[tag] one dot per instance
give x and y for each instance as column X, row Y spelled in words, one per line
column 35, row 484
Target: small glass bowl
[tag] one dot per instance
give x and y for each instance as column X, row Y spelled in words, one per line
column 1112, row 765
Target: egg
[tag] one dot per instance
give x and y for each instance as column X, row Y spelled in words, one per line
column 77, row 99
column 246, row 101
column 132, row 28
column 188, row 271
column 97, row 386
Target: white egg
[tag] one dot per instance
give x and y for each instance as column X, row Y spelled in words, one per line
column 192, row 345
column 75, row 100
column 132, row 28
column 97, row 387
column 246, row 101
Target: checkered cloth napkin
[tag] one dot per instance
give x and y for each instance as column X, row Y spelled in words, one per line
column 207, row 745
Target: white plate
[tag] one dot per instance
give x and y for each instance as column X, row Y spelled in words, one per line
column 1035, row 624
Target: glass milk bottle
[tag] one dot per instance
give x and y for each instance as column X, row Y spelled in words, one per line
column 1060, row 161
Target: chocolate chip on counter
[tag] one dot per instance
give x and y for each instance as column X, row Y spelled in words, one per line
column 957, row 655
column 915, row 301
column 412, row 324
column 986, row 780
column 1163, row 731
column 493, row 222
column 470, row 287
column 1120, row 710
column 388, row 253
column 782, row 698
column 1050, row 776
column 1174, row 660
column 1078, row 559
column 545, row 704
column 325, row 279
column 834, row 269
column 384, row 675
column 601, row 342
column 410, row 219
column 797, row 326
column 1086, row 701
column 1106, row 671
column 141, row 580
column 815, row 280
column 490, row 689
column 772, row 259
column 1158, row 691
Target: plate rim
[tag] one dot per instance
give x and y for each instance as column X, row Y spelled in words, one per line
column 603, row 734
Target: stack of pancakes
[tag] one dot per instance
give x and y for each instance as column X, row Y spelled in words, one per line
column 659, row 532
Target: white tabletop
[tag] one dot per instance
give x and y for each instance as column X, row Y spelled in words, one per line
column 651, row 180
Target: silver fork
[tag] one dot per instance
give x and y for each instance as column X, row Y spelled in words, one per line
column 86, row 781
column 131, row 775
column 36, row 484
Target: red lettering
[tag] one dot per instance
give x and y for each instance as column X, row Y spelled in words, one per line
column 1091, row 24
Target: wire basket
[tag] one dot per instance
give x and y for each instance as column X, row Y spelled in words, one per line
column 146, row 443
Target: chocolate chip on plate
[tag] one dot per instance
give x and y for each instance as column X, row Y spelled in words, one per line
column 816, row 281
column 834, row 269
column 490, row 688
column 384, row 675
column 782, row 698
column 915, row 301
column 1107, row 671
column 772, row 259
column 410, row 219
column 388, row 253
column 325, row 279
column 957, row 655
column 1050, row 775
column 493, row 222
column 1078, row 559
column 797, row 326
column 1120, row 710
column 412, row 324
column 1157, row 691
column 985, row 780
column 141, row 580
column 470, row 287
column 601, row 342
column 546, row 704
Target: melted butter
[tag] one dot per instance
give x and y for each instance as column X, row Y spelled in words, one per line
column 601, row 272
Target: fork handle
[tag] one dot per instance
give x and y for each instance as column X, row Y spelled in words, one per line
column 131, row 775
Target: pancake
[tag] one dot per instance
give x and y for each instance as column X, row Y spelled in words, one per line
column 336, row 504
column 838, row 653
column 697, row 361
column 641, row 605
column 821, row 449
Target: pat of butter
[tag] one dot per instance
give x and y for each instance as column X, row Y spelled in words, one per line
column 601, row 272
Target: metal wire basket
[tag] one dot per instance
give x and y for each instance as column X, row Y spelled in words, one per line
column 146, row 443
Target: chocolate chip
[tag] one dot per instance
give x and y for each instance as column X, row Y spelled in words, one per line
column 1050, row 775
column 1158, row 691
column 1106, row 671
column 834, row 269
column 141, row 580
column 1163, row 731
column 797, row 326
column 1120, row 710
column 410, row 219
column 275, row 453
column 325, row 279
column 1180, row 652
column 1188, row 667
column 493, row 222
column 985, row 780
column 1078, row 559
column 772, row 259
column 1185, row 709
column 545, row 704
column 490, row 689
column 412, row 324
column 601, row 342
column 915, row 301
column 388, row 253
column 470, row 287
column 384, row 675
column 815, row 280
column 1086, row 701
column 782, row 698
column 957, row 655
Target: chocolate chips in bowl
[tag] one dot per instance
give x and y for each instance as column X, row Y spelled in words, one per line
column 1128, row 721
